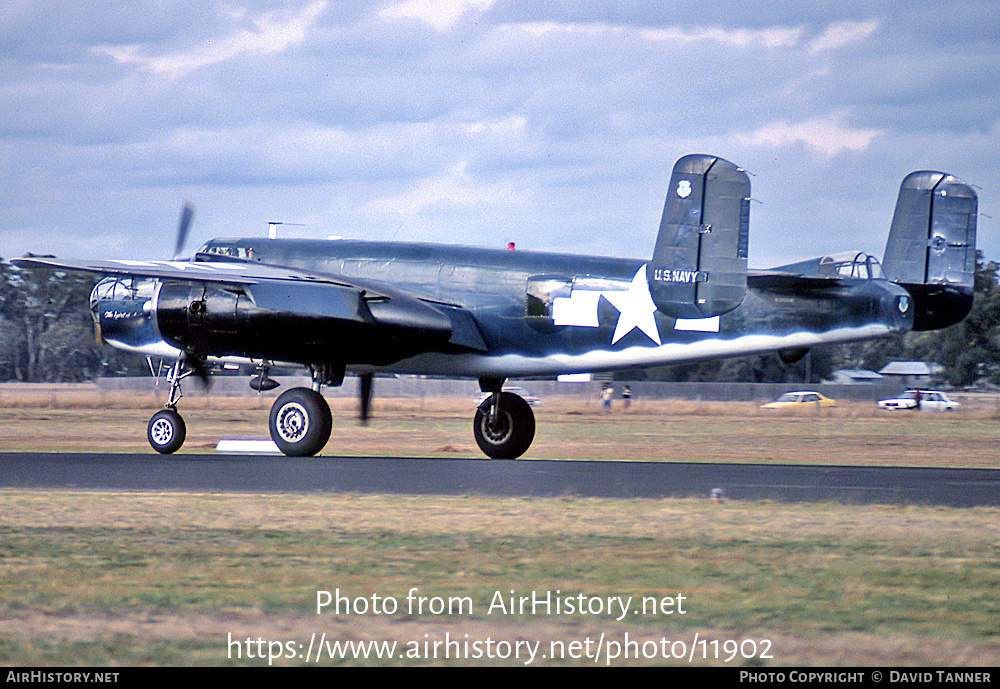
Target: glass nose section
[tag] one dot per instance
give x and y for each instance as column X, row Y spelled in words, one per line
column 121, row 289
column 102, row 292
column 122, row 308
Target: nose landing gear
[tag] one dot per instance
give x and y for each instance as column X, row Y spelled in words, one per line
column 166, row 430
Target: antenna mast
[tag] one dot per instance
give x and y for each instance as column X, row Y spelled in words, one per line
column 272, row 227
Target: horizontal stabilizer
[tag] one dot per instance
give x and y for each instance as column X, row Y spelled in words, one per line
column 699, row 265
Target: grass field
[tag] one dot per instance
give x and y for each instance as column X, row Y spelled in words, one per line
column 852, row 433
column 101, row 578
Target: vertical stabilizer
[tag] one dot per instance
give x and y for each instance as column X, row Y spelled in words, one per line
column 699, row 265
column 932, row 246
column 933, row 235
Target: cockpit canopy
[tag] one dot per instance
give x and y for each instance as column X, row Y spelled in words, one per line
column 239, row 249
column 856, row 265
column 851, row 264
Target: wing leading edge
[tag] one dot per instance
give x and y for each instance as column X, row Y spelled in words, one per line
column 201, row 305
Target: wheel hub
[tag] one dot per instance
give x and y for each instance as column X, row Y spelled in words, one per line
column 499, row 430
column 292, row 423
column 162, row 431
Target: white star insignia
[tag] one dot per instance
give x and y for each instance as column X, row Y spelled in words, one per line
column 636, row 308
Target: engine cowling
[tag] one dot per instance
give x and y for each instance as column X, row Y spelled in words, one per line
column 298, row 321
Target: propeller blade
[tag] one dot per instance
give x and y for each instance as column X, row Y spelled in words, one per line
column 365, row 396
column 187, row 212
column 197, row 367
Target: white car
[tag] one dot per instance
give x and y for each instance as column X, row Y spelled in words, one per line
column 920, row 399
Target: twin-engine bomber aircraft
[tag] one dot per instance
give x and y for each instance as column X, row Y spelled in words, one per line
column 393, row 307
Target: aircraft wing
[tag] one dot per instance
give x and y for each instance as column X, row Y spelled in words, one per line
column 291, row 291
column 228, row 272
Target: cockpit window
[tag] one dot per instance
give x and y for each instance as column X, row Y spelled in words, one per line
column 854, row 265
column 228, row 250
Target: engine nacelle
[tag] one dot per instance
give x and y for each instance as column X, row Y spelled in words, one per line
column 297, row 321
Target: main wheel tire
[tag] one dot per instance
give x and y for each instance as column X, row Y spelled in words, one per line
column 510, row 435
column 166, row 431
column 300, row 422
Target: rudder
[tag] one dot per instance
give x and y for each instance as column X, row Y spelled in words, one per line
column 699, row 264
column 931, row 249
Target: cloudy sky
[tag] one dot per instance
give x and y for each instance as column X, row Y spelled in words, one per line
column 553, row 123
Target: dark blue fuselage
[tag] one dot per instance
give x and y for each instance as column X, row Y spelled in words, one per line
column 548, row 313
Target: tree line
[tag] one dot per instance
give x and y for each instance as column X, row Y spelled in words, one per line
column 47, row 335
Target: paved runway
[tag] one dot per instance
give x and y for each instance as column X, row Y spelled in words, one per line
column 426, row 476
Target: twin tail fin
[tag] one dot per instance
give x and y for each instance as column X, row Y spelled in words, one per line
column 932, row 246
column 699, row 264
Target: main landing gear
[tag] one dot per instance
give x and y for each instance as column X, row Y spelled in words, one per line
column 300, row 421
column 504, row 425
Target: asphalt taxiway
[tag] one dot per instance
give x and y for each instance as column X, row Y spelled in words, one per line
column 465, row 476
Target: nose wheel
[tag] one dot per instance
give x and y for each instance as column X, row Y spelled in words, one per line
column 166, row 431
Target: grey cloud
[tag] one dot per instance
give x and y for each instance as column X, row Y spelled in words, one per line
column 565, row 136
